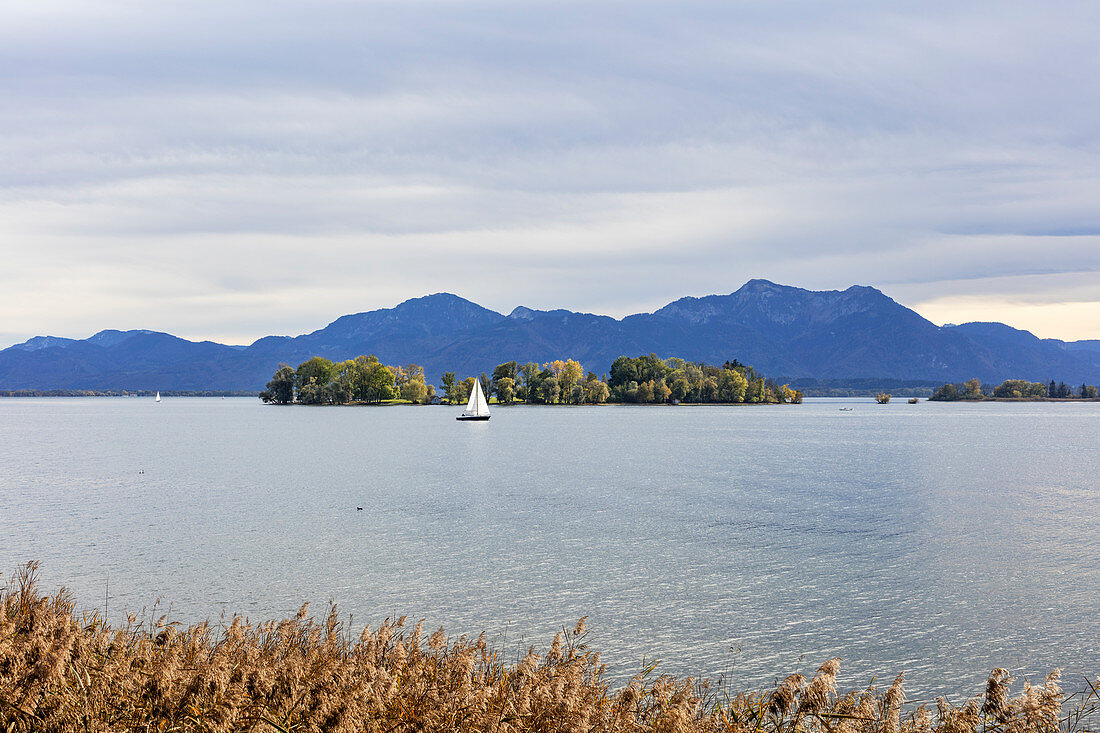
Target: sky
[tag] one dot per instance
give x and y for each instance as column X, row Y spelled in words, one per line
column 232, row 169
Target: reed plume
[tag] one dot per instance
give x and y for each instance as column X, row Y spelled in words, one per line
column 61, row 672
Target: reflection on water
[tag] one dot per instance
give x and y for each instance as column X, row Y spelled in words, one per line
column 942, row 540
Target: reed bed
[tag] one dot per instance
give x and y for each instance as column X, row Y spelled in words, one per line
column 61, row 672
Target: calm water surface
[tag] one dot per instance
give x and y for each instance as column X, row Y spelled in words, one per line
column 942, row 540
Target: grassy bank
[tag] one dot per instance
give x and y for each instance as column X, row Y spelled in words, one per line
column 64, row 672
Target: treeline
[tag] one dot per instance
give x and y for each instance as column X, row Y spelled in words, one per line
column 649, row 379
column 643, row 379
column 1013, row 389
column 319, row 381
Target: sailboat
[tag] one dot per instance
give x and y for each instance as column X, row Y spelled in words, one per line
column 157, row 399
column 478, row 407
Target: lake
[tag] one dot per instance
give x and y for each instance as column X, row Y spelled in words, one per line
column 937, row 539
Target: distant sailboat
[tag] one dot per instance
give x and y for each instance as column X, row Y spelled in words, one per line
column 157, row 397
column 478, row 407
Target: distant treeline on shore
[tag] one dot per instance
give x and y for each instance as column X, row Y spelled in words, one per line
column 642, row 380
column 124, row 393
column 1014, row 389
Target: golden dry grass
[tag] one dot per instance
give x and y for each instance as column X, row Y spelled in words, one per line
column 63, row 673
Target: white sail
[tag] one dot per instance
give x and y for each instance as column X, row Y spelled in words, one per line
column 158, row 397
column 482, row 403
column 478, row 405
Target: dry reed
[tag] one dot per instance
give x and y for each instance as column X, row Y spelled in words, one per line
column 59, row 672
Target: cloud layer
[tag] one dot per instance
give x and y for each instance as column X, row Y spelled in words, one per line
column 229, row 170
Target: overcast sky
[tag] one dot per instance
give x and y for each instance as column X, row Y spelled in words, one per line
column 228, row 170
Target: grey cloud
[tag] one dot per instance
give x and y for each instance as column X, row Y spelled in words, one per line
column 681, row 146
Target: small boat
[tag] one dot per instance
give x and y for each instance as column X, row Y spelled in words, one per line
column 157, row 398
column 914, row 400
column 846, row 409
column 478, row 407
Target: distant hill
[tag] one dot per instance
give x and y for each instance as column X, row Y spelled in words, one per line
column 858, row 334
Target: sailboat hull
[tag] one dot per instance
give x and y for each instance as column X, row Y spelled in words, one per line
column 473, row 417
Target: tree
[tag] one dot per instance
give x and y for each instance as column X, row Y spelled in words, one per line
column 623, row 371
column 410, row 373
column 505, row 389
column 1052, row 390
column 509, row 369
column 280, row 389
column 661, row 392
column 549, row 388
column 732, row 386
column 529, row 373
column 681, row 388
column 708, row 389
column 379, row 382
column 946, row 393
column 450, row 388
column 486, row 387
column 596, row 391
column 343, row 382
column 1089, row 392
column 313, row 379
column 414, row 390
column 465, row 389
column 570, row 374
column 757, row 391
column 1020, row 389
column 972, row 389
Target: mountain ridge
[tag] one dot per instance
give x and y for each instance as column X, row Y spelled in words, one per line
column 857, row 333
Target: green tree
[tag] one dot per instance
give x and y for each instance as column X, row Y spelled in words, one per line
column 280, row 390
column 465, row 389
column 450, row 387
column 529, row 374
column 313, row 380
column 681, row 388
column 414, row 390
column 343, row 381
column 505, row 389
column 507, row 370
column 623, row 371
column 732, row 386
column 946, row 393
column 549, row 388
column 661, row 391
column 596, row 391
column 379, row 382
column 708, row 390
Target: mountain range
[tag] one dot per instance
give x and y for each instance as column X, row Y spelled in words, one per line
column 853, row 334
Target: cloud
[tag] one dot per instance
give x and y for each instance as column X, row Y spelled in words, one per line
column 238, row 169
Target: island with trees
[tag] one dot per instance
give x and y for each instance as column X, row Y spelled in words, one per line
column 1013, row 389
column 640, row 380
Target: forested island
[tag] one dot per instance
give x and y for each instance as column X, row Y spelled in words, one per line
column 1013, row 389
column 639, row 380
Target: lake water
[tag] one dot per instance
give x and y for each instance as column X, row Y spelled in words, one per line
column 937, row 539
